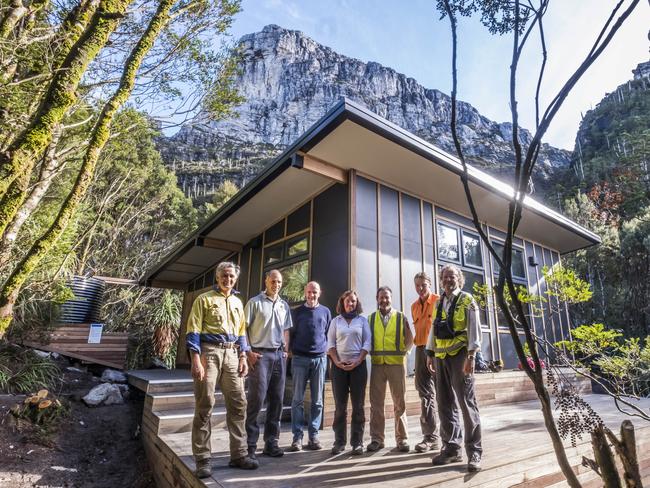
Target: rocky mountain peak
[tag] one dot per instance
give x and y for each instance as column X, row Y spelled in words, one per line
column 289, row 81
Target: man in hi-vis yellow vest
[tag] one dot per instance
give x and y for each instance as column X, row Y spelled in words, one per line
column 392, row 338
column 454, row 339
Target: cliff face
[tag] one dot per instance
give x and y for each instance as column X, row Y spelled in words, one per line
column 289, row 81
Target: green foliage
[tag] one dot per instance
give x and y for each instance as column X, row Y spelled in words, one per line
column 628, row 369
column 22, row 370
column 484, row 296
column 590, row 340
column 565, row 285
column 609, row 193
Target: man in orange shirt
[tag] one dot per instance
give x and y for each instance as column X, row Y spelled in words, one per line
column 422, row 314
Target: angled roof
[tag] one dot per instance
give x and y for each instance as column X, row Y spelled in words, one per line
column 349, row 137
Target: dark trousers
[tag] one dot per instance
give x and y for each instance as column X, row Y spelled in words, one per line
column 426, row 387
column 349, row 384
column 266, row 382
column 456, row 392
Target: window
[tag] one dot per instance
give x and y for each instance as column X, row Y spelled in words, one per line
column 273, row 254
column 447, row 243
column 298, row 245
column 472, row 250
column 294, row 279
column 517, row 266
column 291, row 258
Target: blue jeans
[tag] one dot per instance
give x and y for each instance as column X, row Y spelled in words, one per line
column 302, row 369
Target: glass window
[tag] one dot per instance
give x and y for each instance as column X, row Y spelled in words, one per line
column 273, row 254
column 274, row 233
column 470, row 279
column 447, row 242
column 299, row 219
column 472, row 250
column 517, row 265
column 299, row 245
column 294, row 277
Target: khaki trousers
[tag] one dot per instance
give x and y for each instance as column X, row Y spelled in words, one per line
column 395, row 376
column 221, row 367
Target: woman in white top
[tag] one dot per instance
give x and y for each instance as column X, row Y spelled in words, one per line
column 348, row 343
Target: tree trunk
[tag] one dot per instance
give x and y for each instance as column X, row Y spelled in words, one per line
column 626, row 450
column 605, row 459
column 100, row 135
column 16, row 12
column 61, row 95
column 9, row 234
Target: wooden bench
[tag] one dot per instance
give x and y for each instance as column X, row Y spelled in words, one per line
column 72, row 340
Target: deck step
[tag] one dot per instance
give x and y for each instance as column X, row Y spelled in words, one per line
column 180, row 420
column 177, row 400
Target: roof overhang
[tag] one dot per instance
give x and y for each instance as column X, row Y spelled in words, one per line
column 351, row 137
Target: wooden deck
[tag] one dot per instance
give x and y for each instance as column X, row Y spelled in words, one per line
column 516, row 453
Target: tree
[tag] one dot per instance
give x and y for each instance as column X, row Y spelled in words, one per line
column 181, row 23
column 521, row 20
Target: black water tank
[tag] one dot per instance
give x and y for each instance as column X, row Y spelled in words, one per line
column 86, row 305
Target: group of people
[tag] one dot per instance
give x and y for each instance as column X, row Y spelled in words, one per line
column 228, row 342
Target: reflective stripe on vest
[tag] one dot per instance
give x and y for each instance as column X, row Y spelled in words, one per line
column 395, row 352
column 442, row 347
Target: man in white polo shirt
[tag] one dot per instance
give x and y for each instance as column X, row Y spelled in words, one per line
column 269, row 319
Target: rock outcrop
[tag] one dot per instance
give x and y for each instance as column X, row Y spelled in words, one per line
column 289, row 81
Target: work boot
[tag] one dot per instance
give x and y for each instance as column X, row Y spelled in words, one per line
column 403, row 446
column 428, row 444
column 474, row 463
column 245, row 462
column 357, row 450
column 337, row 449
column 374, row 446
column 446, row 457
column 273, row 450
column 314, row 445
column 251, row 452
column 203, row 468
column 295, row 446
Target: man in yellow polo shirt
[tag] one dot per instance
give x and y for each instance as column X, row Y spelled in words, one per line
column 392, row 338
column 216, row 340
column 422, row 311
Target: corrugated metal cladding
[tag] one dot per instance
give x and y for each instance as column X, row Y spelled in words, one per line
column 396, row 235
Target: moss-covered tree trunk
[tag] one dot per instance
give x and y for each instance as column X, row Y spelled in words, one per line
column 99, row 137
column 15, row 12
column 61, row 94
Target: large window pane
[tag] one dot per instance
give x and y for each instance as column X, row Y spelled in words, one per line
column 366, row 240
column 472, row 250
column 447, row 242
column 389, row 259
column 294, row 278
column 411, row 246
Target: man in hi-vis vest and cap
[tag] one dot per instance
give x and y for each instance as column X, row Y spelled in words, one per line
column 454, row 339
column 392, row 338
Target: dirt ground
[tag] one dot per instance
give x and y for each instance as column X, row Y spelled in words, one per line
column 91, row 447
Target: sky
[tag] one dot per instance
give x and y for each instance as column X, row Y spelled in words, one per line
column 409, row 37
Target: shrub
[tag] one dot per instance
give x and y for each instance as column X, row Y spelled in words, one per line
column 22, row 370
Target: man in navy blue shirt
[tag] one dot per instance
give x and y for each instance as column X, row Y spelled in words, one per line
column 308, row 343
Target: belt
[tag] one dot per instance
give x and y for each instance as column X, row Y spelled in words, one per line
column 226, row 345
column 267, row 349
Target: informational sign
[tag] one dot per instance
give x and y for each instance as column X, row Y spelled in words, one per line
column 95, row 334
